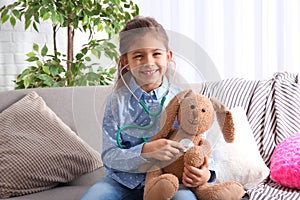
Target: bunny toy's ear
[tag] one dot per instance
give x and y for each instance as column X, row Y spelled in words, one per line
column 225, row 120
column 169, row 115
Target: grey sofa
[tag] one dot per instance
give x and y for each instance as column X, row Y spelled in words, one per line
column 81, row 108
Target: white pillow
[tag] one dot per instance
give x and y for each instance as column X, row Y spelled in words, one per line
column 238, row 161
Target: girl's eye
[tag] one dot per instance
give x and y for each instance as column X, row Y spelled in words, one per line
column 138, row 57
column 157, row 54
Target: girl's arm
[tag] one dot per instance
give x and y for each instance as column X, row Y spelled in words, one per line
column 113, row 157
column 129, row 159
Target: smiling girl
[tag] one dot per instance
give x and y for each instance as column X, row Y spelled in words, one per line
column 132, row 114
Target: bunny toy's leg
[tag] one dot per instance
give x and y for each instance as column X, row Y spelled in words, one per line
column 222, row 191
column 160, row 186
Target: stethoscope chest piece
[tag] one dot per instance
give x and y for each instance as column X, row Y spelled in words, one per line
column 187, row 143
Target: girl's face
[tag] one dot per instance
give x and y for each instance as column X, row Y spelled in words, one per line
column 148, row 64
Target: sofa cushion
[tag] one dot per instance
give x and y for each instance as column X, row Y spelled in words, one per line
column 239, row 161
column 285, row 162
column 38, row 151
column 57, row 193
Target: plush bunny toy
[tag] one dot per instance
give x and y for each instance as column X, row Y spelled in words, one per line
column 195, row 115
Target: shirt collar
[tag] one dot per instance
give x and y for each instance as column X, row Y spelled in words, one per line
column 158, row 93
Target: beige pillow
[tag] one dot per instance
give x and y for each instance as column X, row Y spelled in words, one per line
column 37, row 150
column 239, row 161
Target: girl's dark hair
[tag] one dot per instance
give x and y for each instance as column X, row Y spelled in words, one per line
column 138, row 27
column 135, row 28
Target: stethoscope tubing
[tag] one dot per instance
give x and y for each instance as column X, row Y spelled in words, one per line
column 151, row 114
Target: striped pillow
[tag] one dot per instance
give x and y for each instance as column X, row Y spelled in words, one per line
column 38, row 151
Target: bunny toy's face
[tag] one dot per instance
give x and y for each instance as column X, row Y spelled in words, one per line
column 195, row 114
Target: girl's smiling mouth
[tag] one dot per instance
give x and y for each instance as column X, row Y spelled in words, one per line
column 149, row 72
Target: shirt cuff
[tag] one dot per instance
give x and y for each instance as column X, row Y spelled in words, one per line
column 213, row 176
column 138, row 150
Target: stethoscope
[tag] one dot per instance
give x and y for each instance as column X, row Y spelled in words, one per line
column 153, row 115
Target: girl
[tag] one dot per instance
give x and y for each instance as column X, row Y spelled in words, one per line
column 132, row 115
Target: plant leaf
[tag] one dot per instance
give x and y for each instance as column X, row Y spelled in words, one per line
column 54, row 70
column 4, row 18
column 12, row 21
column 92, row 76
column 27, row 81
column 39, row 63
column 46, row 70
column 35, row 47
column 35, row 27
column 31, row 54
column 88, row 58
column 17, row 14
column 32, row 59
column 27, row 23
column 44, row 50
column 46, row 16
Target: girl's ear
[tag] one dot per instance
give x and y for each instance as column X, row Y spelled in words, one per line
column 124, row 61
column 169, row 56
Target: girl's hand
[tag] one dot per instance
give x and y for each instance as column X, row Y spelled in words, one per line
column 162, row 149
column 194, row 177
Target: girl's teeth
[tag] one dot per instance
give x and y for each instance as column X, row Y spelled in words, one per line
column 149, row 72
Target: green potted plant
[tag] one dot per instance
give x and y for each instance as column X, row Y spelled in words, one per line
column 67, row 69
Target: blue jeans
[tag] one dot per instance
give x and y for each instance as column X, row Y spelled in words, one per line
column 109, row 189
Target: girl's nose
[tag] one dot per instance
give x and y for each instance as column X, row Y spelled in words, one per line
column 149, row 59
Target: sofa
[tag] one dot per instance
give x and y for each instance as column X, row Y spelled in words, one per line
column 80, row 109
